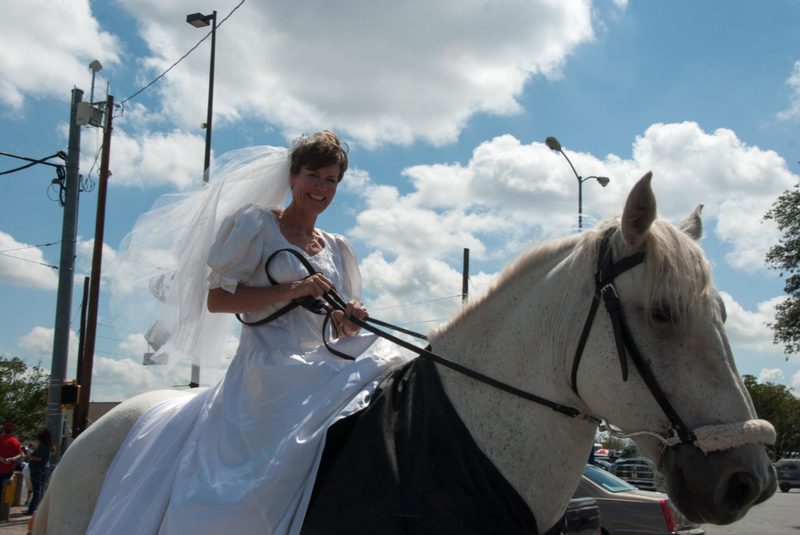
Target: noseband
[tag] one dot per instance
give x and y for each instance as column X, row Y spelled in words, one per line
column 708, row 438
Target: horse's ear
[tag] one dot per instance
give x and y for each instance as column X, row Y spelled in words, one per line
column 693, row 224
column 639, row 212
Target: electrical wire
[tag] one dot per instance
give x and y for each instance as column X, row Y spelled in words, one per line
column 117, row 328
column 421, row 321
column 157, row 78
column 417, row 303
column 44, row 161
column 27, row 260
column 30, row 247
column 88, row 183
column 115, row 354
column 121, row 340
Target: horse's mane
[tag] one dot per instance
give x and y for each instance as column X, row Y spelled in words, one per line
column 679, row 280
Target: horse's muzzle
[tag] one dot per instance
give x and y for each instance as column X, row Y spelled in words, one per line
column 721, row 486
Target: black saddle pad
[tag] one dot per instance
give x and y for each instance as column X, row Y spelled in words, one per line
column 407, row 464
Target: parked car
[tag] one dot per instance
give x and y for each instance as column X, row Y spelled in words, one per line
column 788, row 474
column 603, row 464
column 639, row 472
column 582, row 517
column 624, row 509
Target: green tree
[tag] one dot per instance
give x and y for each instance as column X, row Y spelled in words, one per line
column 779, row 406
column 23, row 396
column 610, row 442
column 785, row 258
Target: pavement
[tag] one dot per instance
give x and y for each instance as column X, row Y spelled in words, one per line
column 17, row 524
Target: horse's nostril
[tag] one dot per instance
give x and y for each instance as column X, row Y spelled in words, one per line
column 741, row 491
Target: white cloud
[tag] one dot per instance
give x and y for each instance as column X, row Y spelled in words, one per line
column 120, row 379
column 47, row 46
column 419, row 293
column 508, row 188
column 796, row 384
column 737, row 183
column 40, row 342
column 378, row 72
column 770, row 376
column 793, row 112
column 22, row 264
column 85, row 257
column 748, row 330
column 148, row 159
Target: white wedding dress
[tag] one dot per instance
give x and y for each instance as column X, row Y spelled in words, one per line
column 241, row 456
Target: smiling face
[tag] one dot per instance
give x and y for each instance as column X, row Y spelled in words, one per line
column 313, row 190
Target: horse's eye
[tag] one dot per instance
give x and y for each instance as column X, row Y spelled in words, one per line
column 661, row 314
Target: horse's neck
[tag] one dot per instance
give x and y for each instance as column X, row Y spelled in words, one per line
column 516, row 335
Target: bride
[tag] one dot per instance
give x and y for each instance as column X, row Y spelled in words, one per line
column 241, row 456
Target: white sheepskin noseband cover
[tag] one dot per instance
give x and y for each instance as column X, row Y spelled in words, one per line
column 726, row 436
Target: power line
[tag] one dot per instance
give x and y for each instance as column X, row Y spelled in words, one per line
column 115, row 354
column 157, row 78
column 422, row 321
column 59, row 154
column 120, row 340
column 31, row 261
column 117, row 328
column 30, row 247
column 417, row 303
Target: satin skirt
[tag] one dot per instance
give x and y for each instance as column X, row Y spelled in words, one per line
column 241, row 456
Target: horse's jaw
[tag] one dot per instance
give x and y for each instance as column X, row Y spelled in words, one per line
column 718, row 487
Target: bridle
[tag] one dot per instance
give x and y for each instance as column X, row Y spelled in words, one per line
column 607, row 271
column 708, row 438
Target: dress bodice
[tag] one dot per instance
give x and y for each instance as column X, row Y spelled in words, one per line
column 245, row 243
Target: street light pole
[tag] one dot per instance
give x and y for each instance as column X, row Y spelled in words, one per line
column 198, row 20
column 553, row 144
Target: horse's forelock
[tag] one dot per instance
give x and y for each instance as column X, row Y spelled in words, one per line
column 679, row 277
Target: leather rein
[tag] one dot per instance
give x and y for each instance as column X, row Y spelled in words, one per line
column 607, row 270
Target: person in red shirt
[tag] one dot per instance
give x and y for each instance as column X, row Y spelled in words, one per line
column 10, row 452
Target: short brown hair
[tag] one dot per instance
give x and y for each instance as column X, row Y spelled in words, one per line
column 317, row 151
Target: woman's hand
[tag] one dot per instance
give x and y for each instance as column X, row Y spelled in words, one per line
column 313, row 286
column 355, row 309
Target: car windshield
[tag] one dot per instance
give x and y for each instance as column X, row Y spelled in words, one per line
column 608, row 481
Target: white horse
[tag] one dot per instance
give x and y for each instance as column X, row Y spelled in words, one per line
column 525, row 333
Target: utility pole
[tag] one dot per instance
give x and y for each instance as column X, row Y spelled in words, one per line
column 81, row 343
column 87, row 359
column 66, row 272
column 465, row 278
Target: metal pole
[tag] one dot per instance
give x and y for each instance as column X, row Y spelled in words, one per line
column 69, row 228
column 94, row 287
column 465, row 278
column 76, row 414
column 207, row 162
column 580, row 190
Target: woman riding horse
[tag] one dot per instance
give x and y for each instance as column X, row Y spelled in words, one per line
column 529, row 370
column 209, row 465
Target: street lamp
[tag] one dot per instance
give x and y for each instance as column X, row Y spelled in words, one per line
column 198, row 20
column 553, row 144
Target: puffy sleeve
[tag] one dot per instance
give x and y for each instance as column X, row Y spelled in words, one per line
column 237, row 251
column 351, row 278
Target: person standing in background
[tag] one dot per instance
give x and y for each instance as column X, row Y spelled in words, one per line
column 39, row 466
column 10, row 452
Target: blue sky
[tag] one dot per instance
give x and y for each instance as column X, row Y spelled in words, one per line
column 445, row 105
